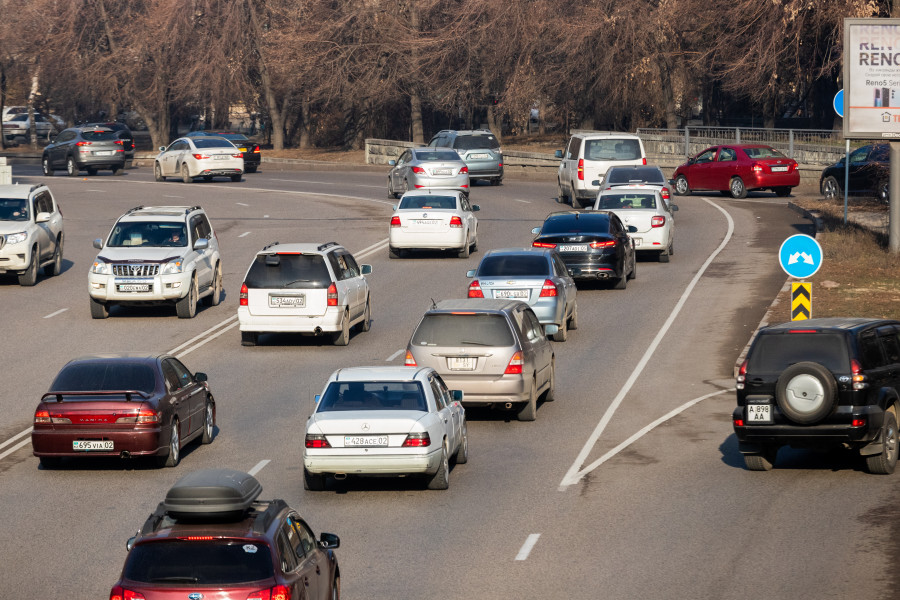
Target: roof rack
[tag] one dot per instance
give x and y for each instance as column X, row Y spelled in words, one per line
column 269, row 246
column 141, row 207
column 264, row 520
column 191, row 209
column 327, row 245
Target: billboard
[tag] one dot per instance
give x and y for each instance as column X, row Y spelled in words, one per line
column 872, row 78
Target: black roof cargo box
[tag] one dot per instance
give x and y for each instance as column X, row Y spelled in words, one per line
column 218, row 493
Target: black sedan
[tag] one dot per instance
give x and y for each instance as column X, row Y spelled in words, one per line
column 249, row 149
column 869, row 174
column 594, row 245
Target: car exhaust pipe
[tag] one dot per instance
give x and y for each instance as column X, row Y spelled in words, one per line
column 317, row 331
column 340, row 476
column 508, row 405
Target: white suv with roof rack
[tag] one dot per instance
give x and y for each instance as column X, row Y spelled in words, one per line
column 314, row 289
column 31, row 232
column 157, row 255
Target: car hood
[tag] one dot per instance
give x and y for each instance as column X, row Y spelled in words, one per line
column 14, row 226
column 150, row 254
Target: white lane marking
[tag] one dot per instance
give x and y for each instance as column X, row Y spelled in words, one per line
column 207, row 340
column 168, row 196
column 14, row 448
column 98, row 191
column 373, row 248
column 305, row 181
column 525, row 550
column 265, row 216
column 377, row 187
column 245, row 234
column 573, row 475
column 208, row 331
column 522, row 201
column 53, row 314
column 241, row 204
column 259, row 467
column 646, row 429
column 394, row 355
column 15, row 437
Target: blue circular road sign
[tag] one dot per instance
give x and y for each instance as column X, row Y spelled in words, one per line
column 800, row 256
column 839, row 103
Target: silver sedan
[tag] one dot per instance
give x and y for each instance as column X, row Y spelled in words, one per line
column 420, row 168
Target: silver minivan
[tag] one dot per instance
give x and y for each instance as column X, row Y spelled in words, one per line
column 585, row 160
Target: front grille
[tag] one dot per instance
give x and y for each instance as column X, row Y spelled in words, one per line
column 135, row 270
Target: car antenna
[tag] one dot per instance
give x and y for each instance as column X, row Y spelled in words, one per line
column 433, row 303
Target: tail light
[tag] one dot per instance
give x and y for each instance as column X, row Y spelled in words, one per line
column 455, row 222
column 395, row 221
column 42, row 417
column 658, row 221
column 643, row 161
column 84, row 143
column 144, row 416
column 256, row 149
column 238, row 155
column 543, row 245
column 279, row 592
column 580, row 169
column 548, row 290
column 742, row 376
column 332, row 295
column 515, row 365
column 858, row 423
column 792, row 167
column 606, row 244
column 464, row 170
column 499, row 164
column 409, row 361
column 200, row 156
column 418, row 170
column 475, row 290
column 120, row 142
column 314, row 440
column 465, row 185
column 664, row 193
column 417, row 440
column 757, row 168
column 860, row 381
column 243, row 295
column 120, row 593
column 738, row 422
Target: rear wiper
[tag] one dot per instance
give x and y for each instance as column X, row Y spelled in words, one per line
column 176, row 579
column 471, row 343
column 297, row 281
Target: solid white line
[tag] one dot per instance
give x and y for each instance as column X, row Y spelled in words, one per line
column 207, row 340
column 99, row 191
column 241, row 204
column 259, row 467
column 394, row 355
column 14, row 448
column 306, row 181
column 373, row 248
column 208, row 331
column 522, row 201
column 245, row 234
column 168, row 196
column 572, row 475
column 15, row 437
column 53, row 314
column 530, row 541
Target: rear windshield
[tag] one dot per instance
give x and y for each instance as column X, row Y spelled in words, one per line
column 763, row 153
column 234, row 137
column 569, row 224
column 148, row 233
column 13, row 209
column 212, row 143
column 774, row 353
column 373, row 395
column 514, row 265
column 463, row 330
column 448, row 202
column 429, row 155
column 635, row 175
column 99, row 136
column 99, row 376
column 475, row 142
column 217, row 562
column 296, row 271
column 632, row 200
column 612, row 149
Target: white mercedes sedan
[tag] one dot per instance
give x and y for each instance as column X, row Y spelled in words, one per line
column 434, row 220
column 643, row 207
column 385, row 421
column 203, row 157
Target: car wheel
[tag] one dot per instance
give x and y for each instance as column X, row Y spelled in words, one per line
column 391, row 192
column 886, row 462
column 529, row 411
column 550, row 394
column 560, row 197
column 249, row 338
column 672, row 248
column 186, row 307
column 563, row 333
column 884, row 192
column 45, row 165
column 234, row 178
column 50, row 462
column 216, row 297
column 157, row 173
column 681, row 186
column 633, row 273
column 185, row 175
column 664, row 256
column 762, row 461
column 393, row 252
column 366, row 323
column 441, row 479
column 174, row 456
column 91, row 171
column 336, row 588
column 622, row 282
column 573, row 319
column 99, row 310
column 737, row 188
column 462, row 452
column 55, row 268
column 806, row 392
column 342, row 337
column 209, row 423
column 782, row 192
column 495, row 181
column 830, row 188
column 71, row 167
column 464, row 252
column 250, row 169
column 313, row 482
column 29, row 277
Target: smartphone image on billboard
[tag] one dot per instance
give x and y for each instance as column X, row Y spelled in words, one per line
column 878, row 103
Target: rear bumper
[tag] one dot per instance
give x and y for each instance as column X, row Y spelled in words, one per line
column 434, row 240
column 485, row 390
column 836, row 429
column 549, row 313
column 331, row 321
column 145, row 442
column 773, row 180
column 378, row 464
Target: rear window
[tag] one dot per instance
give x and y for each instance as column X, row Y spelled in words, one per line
column 296, row 271
column 448, row 202
column 774, row 353
column 763, row 153
column 512, row 265
column 218, row 562
column 99, row 136
column 212, row 143
column 100, row 376
column 433, row 155
column 444, row 329
column 570, row 224
column 476, row 142
column 635, row 175
column 234, row 137
column 373, row 395
column 612, row 149
column 626, row 201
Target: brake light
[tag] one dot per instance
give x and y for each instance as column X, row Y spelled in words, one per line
column 757, row 168
column 475, row 290
column 858, row 423
column 395, row 221
column 120, row 593
column 197, row 538
column 548, row 290
column 515, row 365
column 42, row 417
column 643, row 161
column 455, row 222
column 243, row 295
column 738, row 422
column 143, row 416
column 409, row 361
column 860, row 381
column 332, row 295
column 464, row 170
column 543, row 245
column 316, row 441
column 419, row 170
column 657, row 221
column 200, row 156
column 580, row 169
column 417, row 440
column 83, row 143
column 120, row 142
column 664, row 193
column 742, row 376
column 606, row 244
column 279, row 592
column 256, row 149
column 238, row 155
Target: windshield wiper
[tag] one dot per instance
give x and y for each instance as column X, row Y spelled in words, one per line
column 296, row 281
column 473, row 343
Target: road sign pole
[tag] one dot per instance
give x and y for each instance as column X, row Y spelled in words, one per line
column 846, row 177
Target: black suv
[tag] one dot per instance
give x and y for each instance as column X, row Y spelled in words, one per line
column 478, row 148
column 817, row 383
column 212, row 537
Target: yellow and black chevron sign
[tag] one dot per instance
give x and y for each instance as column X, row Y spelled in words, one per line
column 801, row 301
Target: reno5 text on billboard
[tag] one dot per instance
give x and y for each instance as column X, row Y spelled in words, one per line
column 871, row 78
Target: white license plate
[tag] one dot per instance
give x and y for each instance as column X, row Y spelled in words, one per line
column 133, row 287
column 103, row 153
column 479, row 156
column 427, row 221
column 441, row 172
column 510, row 293
column 779, row 169
column 759, row 413
column 461, row 363
column 88, row 445
column 288, row 301
column 572, row 247
column 365, row 440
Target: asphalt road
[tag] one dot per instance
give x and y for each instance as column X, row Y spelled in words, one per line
column 629, row 485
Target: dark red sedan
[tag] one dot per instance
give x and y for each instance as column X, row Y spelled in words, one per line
column 123, row 405
column 736, row 169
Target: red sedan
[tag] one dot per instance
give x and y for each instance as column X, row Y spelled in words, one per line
column 737, row 169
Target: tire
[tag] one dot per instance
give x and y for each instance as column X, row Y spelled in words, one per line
column 831, row 190
column 91, row 171
column 174, row 456
column 216, row 297
column 681, row 186
column 186, row 307
column 560, row 197
column 633, row 273
column 71, row 167
column 46, row 167
column 342, row 337
column 886, row 462
column 529, row 411
column 249, row 338
column 664, row 256
column 251, row 169
column 185, row 175
column 550, row 394
column 157, row 172
column 209, row 423
column 405, row 186
column 441, row 479
column 99, row 310
column 207, row 178
column 117, row 170
column 622, row 282
column 782, row 192
column 573, row 320
column 763, row 461
column 235, row 178
column 366, row 323
column 391, row 192
column 563, row 333
column 313, row 482
column 495, row 181
column 806, row 393
column 55, row 268
column 393, row 252
column 737, row 188
column 884, row 192
column 464, row 252
column 50, row 462
column 336, row 588
column 29, row 277
column 672, row 248
column 462, row 452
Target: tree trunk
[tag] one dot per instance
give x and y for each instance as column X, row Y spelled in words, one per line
column 32, row 130
column 276, row 118
column 415, row 115
column 665, row 82
column 304, row 125
column 2, row 101
column 493, row 123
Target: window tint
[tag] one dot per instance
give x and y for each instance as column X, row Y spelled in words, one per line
column 306, row 541
column 774, row 353
column 475, row 142
column 727, row 154
column 706, row 156
column 561, row 268
column 618, row 175
column 445, row 391
column 626, row 201
column 597, row 223
column 172, row 381
column 147, row 233
column 286, row 555
column 351, row 264
column 512, row 265
column 105, row 376
column 373, row 395
column 439, row 155
column 212, row 143
column 443, row 329
column 444, row 202
column 532, row 326
column 763, row 153
column 574, row 148
column 296, row 271
column 343, row 270
column 215, row 562
column 66, row 136
column 184, row 376
column 204, row 229
column 891, row 346
column 438, row 397
column 612, row 149
column 870, row 352
column 43, row 203
column 99, row 136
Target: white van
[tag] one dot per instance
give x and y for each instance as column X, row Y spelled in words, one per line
column 586, row 159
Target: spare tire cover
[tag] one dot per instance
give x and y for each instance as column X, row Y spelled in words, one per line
column 806, row 393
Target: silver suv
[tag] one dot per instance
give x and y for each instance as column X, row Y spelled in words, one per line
column 587, row 157
column 31, row 232
column 314, row 289
column 157, row 255
column 478, row 148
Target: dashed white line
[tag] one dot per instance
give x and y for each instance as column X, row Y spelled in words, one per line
column 522, row 201
column 53, row 314
column 305, row 181
column 394, row 355
column 526, row 548
column 265, row 216
column 207, row 340
column 16, row 447
column 98, row 191
column 259, row 467
column 241, row 204
column 168, row 196
column 245, row 234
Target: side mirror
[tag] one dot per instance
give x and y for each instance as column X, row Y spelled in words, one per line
column 536, row 230
column 550, row 329
column 98, row 244
column 162, row 148
column 201, row 244
column 595, row 183
column 129, row 544
column 317, row 398
column 200, row 377
column 632, row 229
column 42, row 217
column 475, row 208
column 691, row 160
column 329, row 541
column 393, row 207
column 470, row 273
column 366, row 269
column 558, row 154
column 392, row 162
column 457, row 395
column 672, row 182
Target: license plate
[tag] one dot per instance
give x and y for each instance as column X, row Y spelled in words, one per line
column 477, row 156
column 759, row 413
column 103, row 153
column 461, row 363
column 242, row 149
column 222, row 156
column 441, row 172
column 88, row 445
column 365, row 440
column 288, row 301
column 779, row 169
column 572, row 247
column 510, row 293
column 427, row 221
column 133, row 287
